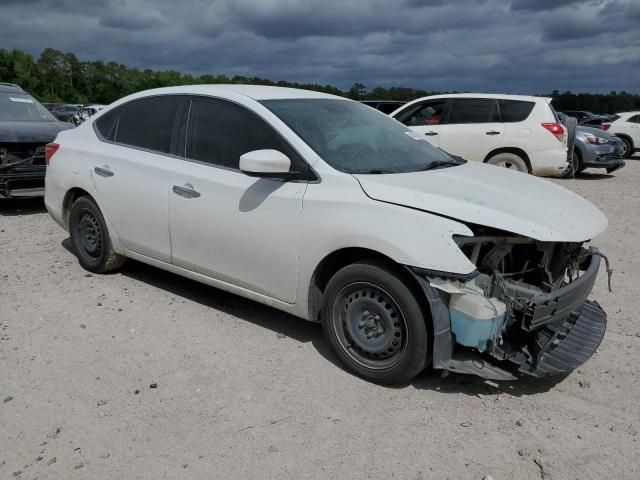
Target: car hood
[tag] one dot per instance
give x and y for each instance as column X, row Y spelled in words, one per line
column 494, row 197
column 594, row 131
column 31, row 132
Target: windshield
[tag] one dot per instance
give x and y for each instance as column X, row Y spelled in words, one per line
column 354, row 138
column 19, row 107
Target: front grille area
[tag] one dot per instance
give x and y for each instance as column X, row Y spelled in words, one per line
column 16, row 152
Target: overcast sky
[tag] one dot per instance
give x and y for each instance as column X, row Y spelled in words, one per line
column 517, row 46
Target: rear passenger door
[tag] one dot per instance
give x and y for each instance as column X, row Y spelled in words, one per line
column 426, row 118
column 131, row 172
column 473, row 128
column 229, row 226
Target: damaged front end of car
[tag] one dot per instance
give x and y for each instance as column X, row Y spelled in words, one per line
column 524, row 310
column 22, row 169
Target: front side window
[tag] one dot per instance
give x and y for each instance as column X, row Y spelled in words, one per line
column 219, row 132
column 144, row 123
column 353, row 138
column 428, row 113
column 471, row 110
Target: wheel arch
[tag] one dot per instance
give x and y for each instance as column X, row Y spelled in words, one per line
column 71, row 196
column 515, row 150
column 628, row 138
column 338, row 259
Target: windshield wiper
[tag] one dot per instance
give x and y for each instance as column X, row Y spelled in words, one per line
column 377, row 171
column 441, row 164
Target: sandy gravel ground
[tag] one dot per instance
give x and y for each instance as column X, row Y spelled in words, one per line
column 243, row 391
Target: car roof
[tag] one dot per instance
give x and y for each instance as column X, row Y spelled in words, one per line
column 10, row 88
column 256, row 92
column 625, row 114
column 528, row 98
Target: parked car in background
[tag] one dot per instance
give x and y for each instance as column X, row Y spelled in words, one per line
column 385, row 106
column 65, row 112
column 85, row 112
column 518, row 132
column 321, row 207
column 25, row 128
column 596, row 148
column 582, row 116
column 626, row 127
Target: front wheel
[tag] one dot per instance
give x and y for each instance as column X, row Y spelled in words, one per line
column 90, row 238
column 510, row 161
column 374, row 323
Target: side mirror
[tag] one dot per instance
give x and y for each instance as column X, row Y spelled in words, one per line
column 265, row 163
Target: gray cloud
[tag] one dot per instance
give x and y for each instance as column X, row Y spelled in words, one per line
column 522, row 46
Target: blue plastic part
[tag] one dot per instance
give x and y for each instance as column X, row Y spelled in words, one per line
column 472, row 332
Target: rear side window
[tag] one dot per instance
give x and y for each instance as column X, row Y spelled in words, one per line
column 634, row 119
column 219, row 132
column 514, row 110
column 148, row 123
column 107, row 124
column 472, row 110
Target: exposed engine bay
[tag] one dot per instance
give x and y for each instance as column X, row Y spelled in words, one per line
column 526, row 306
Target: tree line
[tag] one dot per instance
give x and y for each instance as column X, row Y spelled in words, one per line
column 60, row 77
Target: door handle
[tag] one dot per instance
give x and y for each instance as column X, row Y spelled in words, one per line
column 186, row 191
column 492, row 132
column 103, row 171
column 431, row 133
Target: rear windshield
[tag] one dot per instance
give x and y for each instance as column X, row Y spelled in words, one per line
column 19, row 107
column 354, row 138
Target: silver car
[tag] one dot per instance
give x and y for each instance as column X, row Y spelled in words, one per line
column 596, row 148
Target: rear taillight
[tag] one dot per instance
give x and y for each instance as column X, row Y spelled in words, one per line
column 556, row 129
column 605, row 126
column 49, row 150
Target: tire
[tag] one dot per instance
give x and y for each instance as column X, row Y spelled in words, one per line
column 90, row 238
column 575, row 165
column 374, row 323
column 510, row 161
column 628, row 147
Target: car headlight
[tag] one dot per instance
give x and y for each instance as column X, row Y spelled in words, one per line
column 596, row 139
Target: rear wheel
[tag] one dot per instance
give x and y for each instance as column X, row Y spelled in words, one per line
column 510, row 161
column 627, row 148
column 90, row 237
column 375, row 324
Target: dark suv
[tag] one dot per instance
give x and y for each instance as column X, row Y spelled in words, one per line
column 25, row 128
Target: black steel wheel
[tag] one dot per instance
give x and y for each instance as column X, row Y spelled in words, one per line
column 90, row 237
column 375, row 324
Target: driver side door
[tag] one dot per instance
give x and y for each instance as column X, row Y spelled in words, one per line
column 225, row 224
column 426, row 118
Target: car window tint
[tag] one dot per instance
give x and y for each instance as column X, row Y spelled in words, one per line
column 219, row 132
column 107, row 124
column 471, row 110
column 634, row 119
column 514, row 110
column 428, row 113
column 148, row 123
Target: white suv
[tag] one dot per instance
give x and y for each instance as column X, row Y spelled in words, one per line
column 331, row 211
column 518, row 132
column 627, row 128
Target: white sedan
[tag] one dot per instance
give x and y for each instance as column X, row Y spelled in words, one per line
column 333, row 212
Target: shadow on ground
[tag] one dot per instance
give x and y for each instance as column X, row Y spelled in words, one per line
column 13, row 207
column 284, row 324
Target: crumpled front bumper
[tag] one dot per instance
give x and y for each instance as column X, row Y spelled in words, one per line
column 562, row 330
